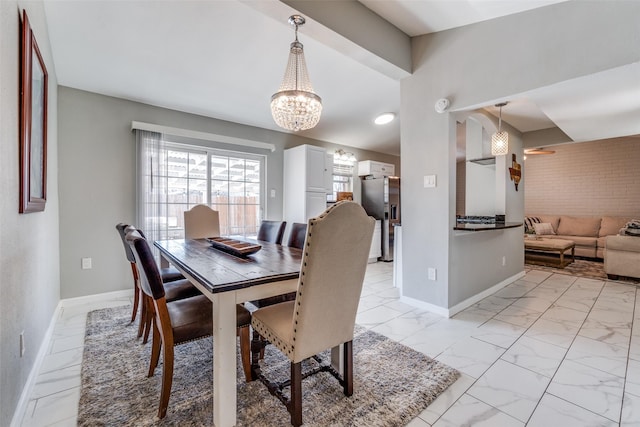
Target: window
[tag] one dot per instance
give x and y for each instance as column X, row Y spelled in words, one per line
column 342, row 179
column 229, row 182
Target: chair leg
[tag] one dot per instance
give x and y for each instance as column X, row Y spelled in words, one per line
column 258, row 339
column 245, row 351
column 295, row 405
column 167, row 379
column 155, row 349
column 143, row 313
column 136, row 299
column 148, row 318
column 256, row 345
column 348, row 367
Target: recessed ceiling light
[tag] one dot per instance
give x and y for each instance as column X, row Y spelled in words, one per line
column 384, row 118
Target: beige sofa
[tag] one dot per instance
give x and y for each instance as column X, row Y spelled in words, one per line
column 589, row 233
column 622, row 256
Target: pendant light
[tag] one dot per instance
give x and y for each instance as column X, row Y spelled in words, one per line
column 296, row 106
column 500, row 139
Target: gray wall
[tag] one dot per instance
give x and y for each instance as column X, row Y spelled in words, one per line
column 29, row 263
column 97, row 179
column 478, row 65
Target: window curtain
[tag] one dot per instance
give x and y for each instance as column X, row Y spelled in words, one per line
column 152, row 185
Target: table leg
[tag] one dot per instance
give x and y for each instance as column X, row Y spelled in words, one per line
column 561, row 258
column 224, row 360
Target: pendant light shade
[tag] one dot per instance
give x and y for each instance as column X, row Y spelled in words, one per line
column 500, row 139
column 296, row 106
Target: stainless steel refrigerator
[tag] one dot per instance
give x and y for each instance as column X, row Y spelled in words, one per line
column 381, row 200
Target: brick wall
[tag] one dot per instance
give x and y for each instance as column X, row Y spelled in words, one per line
column 585, row 179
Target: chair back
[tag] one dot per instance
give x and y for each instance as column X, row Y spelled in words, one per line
column 297, row 235
column 127, row 250
column 150, row 280
column 272, row 231
column 333, row 269
column 201, row 222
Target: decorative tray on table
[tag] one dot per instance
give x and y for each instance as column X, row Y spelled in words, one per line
column 234, row 247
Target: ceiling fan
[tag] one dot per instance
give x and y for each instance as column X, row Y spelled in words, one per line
column 534, row 151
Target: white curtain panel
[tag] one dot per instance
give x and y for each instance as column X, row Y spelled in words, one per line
column 152, row 185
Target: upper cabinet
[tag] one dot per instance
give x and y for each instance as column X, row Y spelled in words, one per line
column 308, row 177
column 375, row 169
column 318, row 166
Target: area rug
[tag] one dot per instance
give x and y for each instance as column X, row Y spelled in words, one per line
column 392, row 383
column 582, row 268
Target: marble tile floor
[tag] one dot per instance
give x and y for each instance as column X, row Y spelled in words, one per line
column 546, row 350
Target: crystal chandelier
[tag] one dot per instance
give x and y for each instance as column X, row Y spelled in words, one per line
column 500, row 139
column 296, row 106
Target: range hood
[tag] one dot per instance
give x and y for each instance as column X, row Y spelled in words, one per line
column 484, row 161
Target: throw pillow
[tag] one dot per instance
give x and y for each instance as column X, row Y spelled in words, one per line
column 543, row 228
column 528, row 223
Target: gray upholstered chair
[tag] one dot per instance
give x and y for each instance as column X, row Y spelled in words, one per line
column 324, row 311
column 168, row 274
column 176, row 287
column 201, row 222
column 272, row 231
column 178, row 322
column 297, row 235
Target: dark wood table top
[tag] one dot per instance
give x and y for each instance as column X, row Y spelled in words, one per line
column 219, row 271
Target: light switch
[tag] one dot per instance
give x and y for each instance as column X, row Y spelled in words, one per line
column 431, row 274
column 273, row 193
column 429, row 181
column 86, row 263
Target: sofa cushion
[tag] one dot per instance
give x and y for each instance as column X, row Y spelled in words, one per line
column 528, row 223
column 543, row 228
column 579, row 240
column 575, row 226
column 611, row 225
column 551, row 219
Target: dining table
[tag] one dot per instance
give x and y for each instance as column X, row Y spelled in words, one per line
column 228, row 279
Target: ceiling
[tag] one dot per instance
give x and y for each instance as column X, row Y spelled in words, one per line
column 225, row 58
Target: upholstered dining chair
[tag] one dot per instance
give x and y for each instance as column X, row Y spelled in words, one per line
column 272, row 231
column 324, row 311
column 179, row 321
column 176, row 287
column 297, row 235
column 169, row 274
column 201, row 222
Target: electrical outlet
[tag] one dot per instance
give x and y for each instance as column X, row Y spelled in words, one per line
column 504, row 260
column 431, row 273
column 22, row 346
column 86, row 263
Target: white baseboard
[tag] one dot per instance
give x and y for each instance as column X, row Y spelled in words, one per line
column 21, row 408
column 88, row 299
column 449, row 312
column 474, row 299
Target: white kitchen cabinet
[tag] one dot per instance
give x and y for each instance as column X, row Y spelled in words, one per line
column 308, row 177
column 375, row 169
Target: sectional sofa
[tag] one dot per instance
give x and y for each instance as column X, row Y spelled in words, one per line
column 589, row 233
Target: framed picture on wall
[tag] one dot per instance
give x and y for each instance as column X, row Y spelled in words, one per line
column 33, row 123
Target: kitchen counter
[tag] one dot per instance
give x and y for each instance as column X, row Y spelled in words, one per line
column 486, row 227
